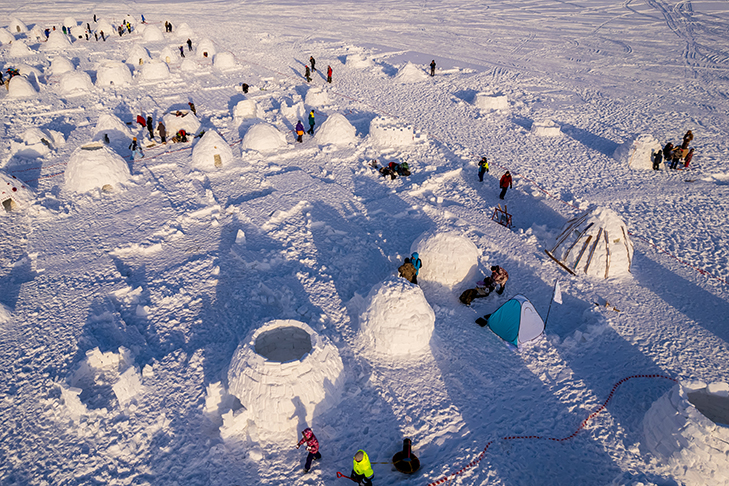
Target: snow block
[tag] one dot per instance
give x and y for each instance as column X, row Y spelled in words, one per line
column 316, row 97
column 245, row 109
column 491, row 102
column 546, row 128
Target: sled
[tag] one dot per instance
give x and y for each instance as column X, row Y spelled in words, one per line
column 501, row 216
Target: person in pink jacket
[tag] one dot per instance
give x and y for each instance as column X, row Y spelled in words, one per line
column 312, row 445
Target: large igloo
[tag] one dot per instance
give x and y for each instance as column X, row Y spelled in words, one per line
column 14, row 194
column 19, row 87
column 76, row 83
column 246, row 109
column 186, row 121
column 154, row 71
column 61, row 65
column 686, row 429
column 211, row 152
column 97, row 166
column 316, row 97
column 113, row 73
column 56, row 41
column 636, row 151
column 397, row 320
column 205, row 48
column 336, row 130
column 152, row 33
column 410, row 73
column 17, row 26
column 183, row 30
column 104, row 26
column 491, row 101
column 448, row 258
column 285, row 375
column 263, row 137
column 389, row 132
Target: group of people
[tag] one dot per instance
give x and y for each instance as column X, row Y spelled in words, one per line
column 362, row 472
column 505, row 182
column 495, row 282
column 392, row 170
column 672, row 156
column 410, row 268
column 308, row 70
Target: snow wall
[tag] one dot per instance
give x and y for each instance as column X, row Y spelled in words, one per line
column 389, row 132
column 491, row 102
column 448, row 258
column 636, row 151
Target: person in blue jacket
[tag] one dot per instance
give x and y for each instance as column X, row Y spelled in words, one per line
column 417, row 263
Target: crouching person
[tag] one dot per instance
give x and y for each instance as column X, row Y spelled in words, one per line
column 498, row 278
column 410, row 268
column 362, row 472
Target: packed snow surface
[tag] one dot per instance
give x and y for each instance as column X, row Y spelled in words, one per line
column 448, row 258
column 336, row 130
column 263, row 137
column 95, row 167
column 211, row 152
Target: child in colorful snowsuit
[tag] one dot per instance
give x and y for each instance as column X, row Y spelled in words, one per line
column 362, row 472
column 136, row 149
column 417, row 264
column 312, row 445
column 483, row 167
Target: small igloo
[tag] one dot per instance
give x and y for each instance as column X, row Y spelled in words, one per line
column 188, row 65
column 183, row 30
column 76, row 83
column 19, row 87
column 152, row 33
column 636, row 151
column 336, row 130
column 185, row 121
column 263, row 137
column 36, row 34
column 397, row 320
column 285, row 375
column 104, row 26
column 14, row 194
column 92, row 167
column 20, row 49
column 491, row 102
column 211, row 152
column 5, row 36
column 205, row 48
column 448, row 258
column 61, row 65
column 389, row 132
column 224, row 61
column 154, row 71
column 169, row 55
column 138, row 55
column 113, row 73
column 686, row 430
column 596, row 243
column 112, row 127
column 70, row 22
column 245, row 109
column 56, row 41
column 17, row 26
column 546, row 128
column 410, row 73
column 316, row 97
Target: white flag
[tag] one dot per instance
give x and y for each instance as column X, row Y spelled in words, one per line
column 557, row 293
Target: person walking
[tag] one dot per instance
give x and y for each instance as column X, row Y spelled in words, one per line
column 505, row 183
column 307, row 74
column 432, row 67
column 313, row 63
column 192, row 107
column 311, row 122
column 483, row 167
column 329, row 74
column 150, row 127
column 136, row 149
column 362, row 472
column 182, row 51
column 312, row 445
column 189, row 45
column 299, row 132
column 162, row 131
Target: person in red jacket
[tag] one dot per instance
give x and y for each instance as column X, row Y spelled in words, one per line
column 329, row 74
column 688, row 158
column 505, row 183
column 312, row 445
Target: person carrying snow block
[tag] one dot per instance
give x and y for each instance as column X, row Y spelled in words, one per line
column 483, row 167
column 141, row 121
column 307, row 74
column 313, row 63
column 299, row 132
column 432, row 67
column 311, row 123
column 505, row 183
column 312, row 445
column 329, row 74
column 162, row 132
column 362, row 472
column 657, row 157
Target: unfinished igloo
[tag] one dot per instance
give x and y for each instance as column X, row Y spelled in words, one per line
column 211, row 152
column 95, row 166
column 112, row 127
column 285, row 375
column 491, row 102
column 19, row 87
column 263, row 137
column 546, row 128
column 336, row 130
column 358, row 60
column 397, row 320
column 245, row 109
column 36, row 142
column 14, row 194
column 184, row 121
column 316, row 97
column 636, row 151
column 448, row 258
column 410, row 73
column 76, row 83
column 389, row 132
column 595, row 243
column 686, row 429
column 113, row 73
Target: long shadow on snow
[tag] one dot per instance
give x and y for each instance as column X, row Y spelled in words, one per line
column 589, row 139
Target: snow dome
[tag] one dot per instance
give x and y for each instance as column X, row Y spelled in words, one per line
column 284, row 373
column 113, row 127
column 20, row 87
column 61, row 65
column 188, row 65
column 596, row 243
column 263, row 137
column 113, row 73
column 636, row 151
column 20, row 49
column 14, row 194
column 70, row 22
column 36, row 34
column 93, row 167
column 154, row 70
column 183, row 30
column 186, row 121
column 205, row 46
column 152, row 33
column 686, row 429
column 389, row 132
column 137, row 53
column 168, row 55
column 6, row 37
column 36, row 142
column 16, row 26
column 336, row 130
column 104, row 26
column 546, row 128
column 224, row 61
column 316, row 97
column 397, row 320
column 56, row 41
column 77, row 82
column 410, row 73
column 448, row 258
column 245, row 109
column 211, row 152
column 490, row 101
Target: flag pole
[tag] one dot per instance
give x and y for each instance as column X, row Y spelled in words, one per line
column 549, row 309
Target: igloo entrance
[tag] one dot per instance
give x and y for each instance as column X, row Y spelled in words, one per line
column 283, row 344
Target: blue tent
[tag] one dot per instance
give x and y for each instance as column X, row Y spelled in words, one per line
column 516, row 321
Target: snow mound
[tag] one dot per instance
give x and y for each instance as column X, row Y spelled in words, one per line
column 410, row 73
column 183, row 30
column 336, row 130
column 284, row 373
column 14, row 194
column 448, row 258
column 17, row 26
column 152, row 33
column 546, row 128
column 595, row 243
column 36, row 142
column 224, row 61
column 20, row 49
column 113, row 127
column 36, row 34
column 70, row 22
column 104, row 26
column 187, row 121
column 690, row 443
column 636, row 152
column 77, row 82
column 154, row 70
column 295, row 112
column 389, row 132
column 358, row 61
column 138, row 55
column 113, row 73
column 6, row 37
column 20, row 88
column 89, row 169
column 205, row 48
column 263, row 137
column 491, row 102
column 397, row 320
column 316, row 97
column 245, row 109
column 188, row 65
column 211, row 152
column 61, row 65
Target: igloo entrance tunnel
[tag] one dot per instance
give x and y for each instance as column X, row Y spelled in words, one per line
column 285, row 374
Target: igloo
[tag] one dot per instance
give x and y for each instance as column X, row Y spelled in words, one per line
column 19, row 87
column 183, row 30
column 188, row 65
column 263, row 137
column 285, row 375
column 410, row 73
column 112, row 127
column 152, row 33
column 316, row 97
column 389, row 132
column 36, row 34
column 636, row 151
column 490, row 101
column 104, row 26
column 245, row 109
column 154, row 71
column 14, row 194
column 56, row 41
column 113, row 73
column 76, row 83
column 185, row 121
column 92, row 167
column 336, row 130
column 205, row 48
column 448, row 258
column 36, row 142
column 211, row 152
column 70, row 22
column 224, row 61
column 686, row 431
column 169, row 55
column 138, row 55
column 6, row 37
column 16, row 26
column 20, row 49
column 595, row 243
column 397, row 320
column 61, row 65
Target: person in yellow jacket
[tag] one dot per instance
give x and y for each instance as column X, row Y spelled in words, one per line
column 362, row 472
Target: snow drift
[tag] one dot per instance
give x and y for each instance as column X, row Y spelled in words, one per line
column 448, row 258
column 97, row 167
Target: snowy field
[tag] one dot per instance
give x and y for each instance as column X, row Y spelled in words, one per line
column 142, row 301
